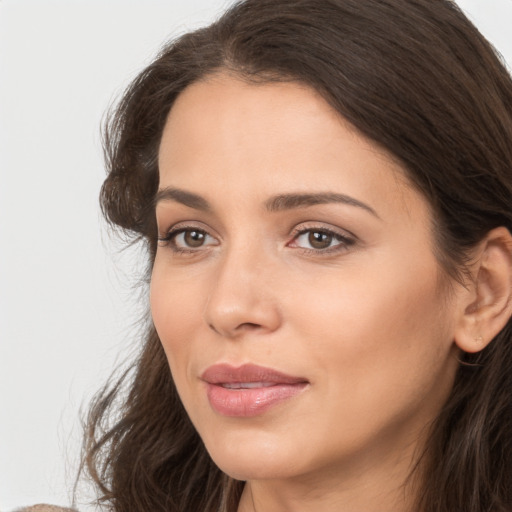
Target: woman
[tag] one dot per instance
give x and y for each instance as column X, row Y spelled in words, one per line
column 324, row 190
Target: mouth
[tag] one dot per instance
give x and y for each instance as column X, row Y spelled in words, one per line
column 246, row 385
column 248, row 390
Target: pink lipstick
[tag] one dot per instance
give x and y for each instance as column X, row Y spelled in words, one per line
column 248, row 390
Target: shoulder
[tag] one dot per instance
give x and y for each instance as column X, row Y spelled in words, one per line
column 45, row 508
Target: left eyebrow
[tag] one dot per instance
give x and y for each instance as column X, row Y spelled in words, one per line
column 291, row 201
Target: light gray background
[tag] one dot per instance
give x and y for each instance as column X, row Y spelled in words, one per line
column 67, row 300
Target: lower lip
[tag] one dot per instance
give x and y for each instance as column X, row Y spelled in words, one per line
column 250, row 402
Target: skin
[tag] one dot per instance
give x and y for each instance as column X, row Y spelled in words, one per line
column 364, row 321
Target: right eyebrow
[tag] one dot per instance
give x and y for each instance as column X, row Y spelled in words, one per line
column 181, row 196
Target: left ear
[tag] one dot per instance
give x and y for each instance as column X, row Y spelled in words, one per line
column 489, row 299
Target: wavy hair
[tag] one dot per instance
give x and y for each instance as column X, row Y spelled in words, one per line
column 417, row 78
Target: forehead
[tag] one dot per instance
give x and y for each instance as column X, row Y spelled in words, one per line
column 259, row 139
column 245, row 114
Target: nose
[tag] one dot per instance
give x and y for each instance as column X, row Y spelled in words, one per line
column 242, row 299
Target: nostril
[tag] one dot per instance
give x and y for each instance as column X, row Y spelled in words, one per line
column 246, row 326
column 249, row 326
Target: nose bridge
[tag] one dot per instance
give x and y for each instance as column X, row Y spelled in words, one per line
column 241, row 297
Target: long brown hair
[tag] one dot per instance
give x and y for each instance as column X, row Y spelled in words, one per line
column 416, row 77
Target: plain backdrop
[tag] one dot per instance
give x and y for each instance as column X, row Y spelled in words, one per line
column 68, row 300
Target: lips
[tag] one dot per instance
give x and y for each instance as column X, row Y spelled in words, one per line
column 248, row 390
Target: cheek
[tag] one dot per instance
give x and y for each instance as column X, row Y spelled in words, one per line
column 381, row 354
column 175, row 309
column 384, row 330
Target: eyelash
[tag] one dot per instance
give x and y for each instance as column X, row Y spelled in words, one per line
column 344, row 241
column 170, row 239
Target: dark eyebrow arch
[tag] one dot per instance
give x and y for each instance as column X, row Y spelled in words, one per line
column 292, row 201
column 181, row 196
column 277, row 203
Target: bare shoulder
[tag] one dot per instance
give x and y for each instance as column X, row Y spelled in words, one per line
column 45, row 508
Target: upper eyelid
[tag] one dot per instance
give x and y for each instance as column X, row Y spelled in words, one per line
column 173, row 232
column 322, row 226
column 186, row 225
column 343, row 237
column 169, row 240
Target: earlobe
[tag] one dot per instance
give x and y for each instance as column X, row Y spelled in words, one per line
column 489, row 296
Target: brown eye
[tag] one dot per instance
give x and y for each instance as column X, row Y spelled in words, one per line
column 320, row 239
column 188, row 239
column 193, row 238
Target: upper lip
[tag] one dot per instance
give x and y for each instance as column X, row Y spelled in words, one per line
column 227, row 374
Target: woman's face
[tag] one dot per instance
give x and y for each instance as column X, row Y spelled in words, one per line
column 295, row 289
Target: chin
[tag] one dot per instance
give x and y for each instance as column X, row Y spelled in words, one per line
column 255, row 470
column 246, row 458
